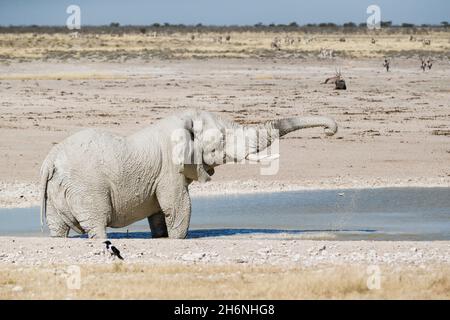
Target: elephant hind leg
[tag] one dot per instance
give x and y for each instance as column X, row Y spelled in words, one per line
column 56, row 224
column 158, row 226
column 93, row 221
column 91, row 211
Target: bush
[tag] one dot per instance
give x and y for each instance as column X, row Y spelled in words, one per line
column 349, row 25
column 327, row 25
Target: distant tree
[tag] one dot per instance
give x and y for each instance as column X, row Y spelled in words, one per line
column 114, row 24
column 311, row 25
column 445, row 23
column 272, row 25
column 327, row 25
column 293, row 24
column 386, row 24
column 166, row 24
column 258, row 25
column 408, row 25
column 363, row 24
column 349, row 25
column 156, row 25
column 199, row 25
column 424, row 25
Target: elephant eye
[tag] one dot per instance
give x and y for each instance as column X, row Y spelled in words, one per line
column 213, row 150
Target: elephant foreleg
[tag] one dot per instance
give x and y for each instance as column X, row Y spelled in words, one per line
column 158, row 226
column 176, row 206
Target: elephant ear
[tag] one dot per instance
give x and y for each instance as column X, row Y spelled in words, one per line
column 193, row 151
column 202, row 175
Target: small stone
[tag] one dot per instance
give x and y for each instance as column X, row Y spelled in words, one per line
column 193, row 256
column 241, row 260
column 17, row 289
column 264, row 251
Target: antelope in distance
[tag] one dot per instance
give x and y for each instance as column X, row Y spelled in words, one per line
column 423, row 64
column 276, row 44
column 426, row 64
column 386, row 64
column 337, row 80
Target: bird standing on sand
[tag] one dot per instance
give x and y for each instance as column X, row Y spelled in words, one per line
column 112, row 250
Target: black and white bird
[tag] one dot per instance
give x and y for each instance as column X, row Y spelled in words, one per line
column 112, row 250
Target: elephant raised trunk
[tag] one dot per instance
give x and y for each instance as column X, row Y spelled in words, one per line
column 263, row 135
column 285, row 126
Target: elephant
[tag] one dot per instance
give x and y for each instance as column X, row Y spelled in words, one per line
column 95, row 179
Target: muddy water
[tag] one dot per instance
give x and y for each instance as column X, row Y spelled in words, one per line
column 378, row 214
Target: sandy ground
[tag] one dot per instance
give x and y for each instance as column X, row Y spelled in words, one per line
column 232, row 267
column 393, row 127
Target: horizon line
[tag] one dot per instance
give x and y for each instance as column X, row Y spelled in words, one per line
column 293, row 24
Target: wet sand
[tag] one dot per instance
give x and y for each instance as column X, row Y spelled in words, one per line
column 255, row 249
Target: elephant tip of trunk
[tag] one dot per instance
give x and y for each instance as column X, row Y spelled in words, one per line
column 331, row 128
column 330, row 132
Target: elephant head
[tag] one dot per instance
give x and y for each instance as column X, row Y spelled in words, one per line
column 207, row 140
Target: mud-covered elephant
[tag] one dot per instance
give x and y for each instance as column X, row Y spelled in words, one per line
column 95, row 179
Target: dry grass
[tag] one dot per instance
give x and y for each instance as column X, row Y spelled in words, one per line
column 121, row 281
column 110, row 47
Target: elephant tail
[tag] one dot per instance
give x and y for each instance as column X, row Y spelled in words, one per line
column 47, row 171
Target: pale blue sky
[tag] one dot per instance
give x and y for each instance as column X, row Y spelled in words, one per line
column 220, row 12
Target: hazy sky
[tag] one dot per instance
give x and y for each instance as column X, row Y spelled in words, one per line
column 220, row 12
